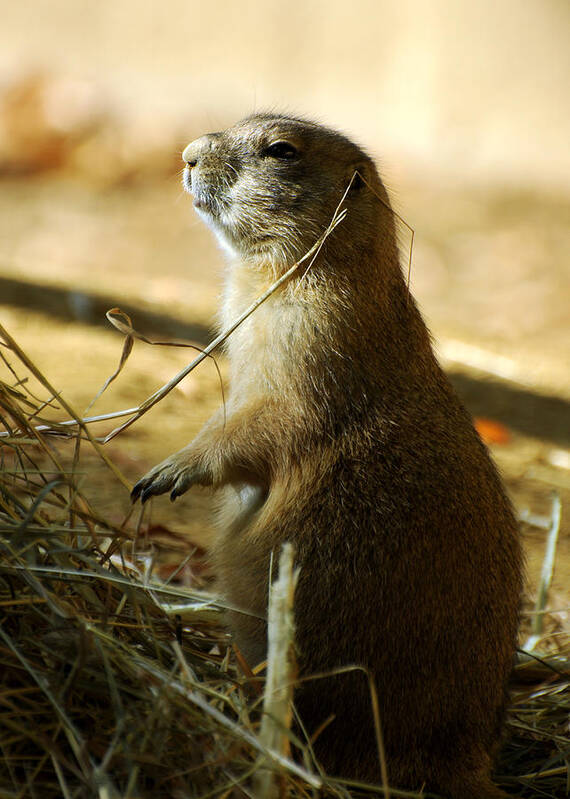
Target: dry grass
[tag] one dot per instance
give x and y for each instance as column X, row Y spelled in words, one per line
column 115, row 683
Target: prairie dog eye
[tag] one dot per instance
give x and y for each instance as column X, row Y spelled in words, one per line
column 283, row 150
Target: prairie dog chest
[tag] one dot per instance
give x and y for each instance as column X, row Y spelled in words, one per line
column 262, row 349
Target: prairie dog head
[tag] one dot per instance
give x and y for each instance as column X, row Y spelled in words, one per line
column 269, row 185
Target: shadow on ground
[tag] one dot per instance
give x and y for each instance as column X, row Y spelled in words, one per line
column 536, row 415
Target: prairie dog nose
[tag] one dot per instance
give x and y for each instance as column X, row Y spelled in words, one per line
column 196, row 149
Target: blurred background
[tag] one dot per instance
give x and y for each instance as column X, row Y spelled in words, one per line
column 464, row 105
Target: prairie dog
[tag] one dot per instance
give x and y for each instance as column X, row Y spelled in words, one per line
column 344, row 436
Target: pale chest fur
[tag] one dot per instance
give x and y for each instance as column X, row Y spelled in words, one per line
column 262, row 350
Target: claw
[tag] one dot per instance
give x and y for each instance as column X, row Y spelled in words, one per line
column 137, row 488
column 174, row 475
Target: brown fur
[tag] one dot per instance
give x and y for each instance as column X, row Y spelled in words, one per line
column 344, row 436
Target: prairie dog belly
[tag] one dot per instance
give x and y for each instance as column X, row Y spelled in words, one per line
column 239, row 502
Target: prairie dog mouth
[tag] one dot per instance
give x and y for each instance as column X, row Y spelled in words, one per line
column 202, row 199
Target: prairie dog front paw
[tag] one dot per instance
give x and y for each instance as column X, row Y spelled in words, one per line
column 175, row 474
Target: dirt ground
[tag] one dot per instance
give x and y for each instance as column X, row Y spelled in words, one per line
column 489, row 270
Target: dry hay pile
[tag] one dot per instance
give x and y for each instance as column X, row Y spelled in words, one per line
column 117, row 684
